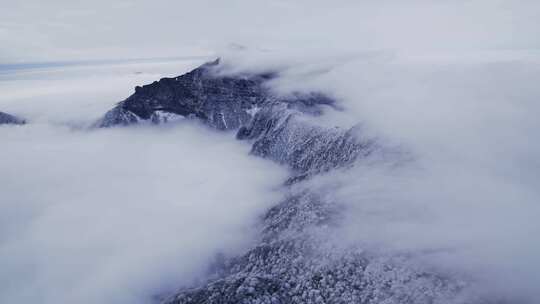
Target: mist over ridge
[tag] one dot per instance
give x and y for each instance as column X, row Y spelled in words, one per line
column 279, row 152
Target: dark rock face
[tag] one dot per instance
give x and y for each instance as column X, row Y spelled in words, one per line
column 10, row 119
column 298, row 258
column 221, row 102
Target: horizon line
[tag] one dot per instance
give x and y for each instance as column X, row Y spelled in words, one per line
column 47, row 64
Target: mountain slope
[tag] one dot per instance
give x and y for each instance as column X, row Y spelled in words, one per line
column 299, row 258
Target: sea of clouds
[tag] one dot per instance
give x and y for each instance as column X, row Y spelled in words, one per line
column 116, row 215
column 456, row 184
column 453, row 86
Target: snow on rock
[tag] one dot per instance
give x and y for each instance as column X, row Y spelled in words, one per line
column 298, row 258
column 161, row 117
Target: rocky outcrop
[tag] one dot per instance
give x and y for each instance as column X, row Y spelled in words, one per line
column 221, row 102
column 298, row 258
column 10, row 119
column 242, row 102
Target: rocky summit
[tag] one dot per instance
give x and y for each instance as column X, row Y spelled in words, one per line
column 298, row 258
column 10, row 119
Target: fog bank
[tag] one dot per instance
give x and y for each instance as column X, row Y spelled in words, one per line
column 460, row 189
column 116, row 215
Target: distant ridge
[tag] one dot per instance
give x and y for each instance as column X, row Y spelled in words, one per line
column 10, row 119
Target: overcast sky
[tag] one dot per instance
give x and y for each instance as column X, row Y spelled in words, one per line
column 59, row 30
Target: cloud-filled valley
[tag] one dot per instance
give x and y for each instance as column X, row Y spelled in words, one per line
column 439, row 101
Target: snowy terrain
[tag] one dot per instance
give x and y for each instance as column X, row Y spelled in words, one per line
column 372, row 152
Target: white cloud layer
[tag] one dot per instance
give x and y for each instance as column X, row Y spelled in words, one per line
column 78, row 95
column 117, row 215
column 467, row 197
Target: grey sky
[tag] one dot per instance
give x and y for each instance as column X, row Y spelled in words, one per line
column 56, row 30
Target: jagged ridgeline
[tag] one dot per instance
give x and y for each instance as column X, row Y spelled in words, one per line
column 296, row 259
column 10, row 119
column 242, row 102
